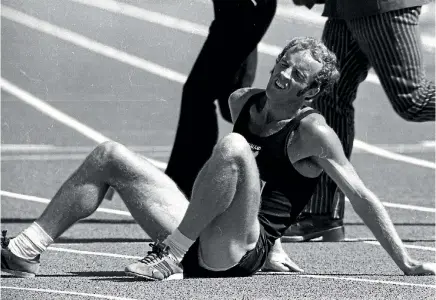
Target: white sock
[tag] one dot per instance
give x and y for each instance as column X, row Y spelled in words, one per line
column 179, row 244
column 31, row 242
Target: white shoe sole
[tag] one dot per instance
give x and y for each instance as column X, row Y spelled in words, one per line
column 177, row 276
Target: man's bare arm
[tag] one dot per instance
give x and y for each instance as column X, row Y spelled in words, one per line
column 333, row 161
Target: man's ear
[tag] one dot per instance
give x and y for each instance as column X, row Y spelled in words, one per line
column 310, row 94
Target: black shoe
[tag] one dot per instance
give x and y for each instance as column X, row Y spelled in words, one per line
column 312, row 227
column 15, row 265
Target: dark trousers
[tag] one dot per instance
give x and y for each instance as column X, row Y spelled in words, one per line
column 223, row 65
column 390, row 43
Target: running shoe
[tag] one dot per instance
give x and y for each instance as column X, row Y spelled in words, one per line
column 15, row 265
column 159, row 264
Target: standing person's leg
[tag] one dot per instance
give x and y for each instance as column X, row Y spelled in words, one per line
column 322, row 217
column 392, row 43
column 152, row 198
column 233, row 35
column 221, row 218
column 244, row 77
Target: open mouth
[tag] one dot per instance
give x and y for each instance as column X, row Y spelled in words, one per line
column 280, row 85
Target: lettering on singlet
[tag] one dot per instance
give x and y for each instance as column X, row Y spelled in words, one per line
column 255, row 149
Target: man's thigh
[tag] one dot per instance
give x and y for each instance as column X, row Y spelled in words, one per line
column 234, row 230
column 229, row 236
column 153, row 199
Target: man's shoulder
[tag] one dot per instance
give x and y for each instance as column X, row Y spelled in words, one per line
column 238, row 99
column 317, row 136
column 313, row 120
column 244, row 93
column 315, row 128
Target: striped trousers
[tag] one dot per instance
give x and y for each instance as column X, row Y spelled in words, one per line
column 390, row 43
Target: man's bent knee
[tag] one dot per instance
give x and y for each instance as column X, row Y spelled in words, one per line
column 106, row 154
column 233, row 147
column 104, row 150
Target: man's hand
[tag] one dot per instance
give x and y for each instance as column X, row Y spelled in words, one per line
column 279, row 261
column 418, row 268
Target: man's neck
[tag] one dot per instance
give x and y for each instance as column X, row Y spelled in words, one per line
column 274, row 112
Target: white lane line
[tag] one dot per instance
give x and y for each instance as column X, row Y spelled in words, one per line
column 121, row 212
column 153, row 68
column 99, row 296
column 60, row 116
column 349, row 279
column 92, row 45
column 394, row 156
column 51, row 111
column 424, row 248
column 429, row 143
column 147, row 15
column 405, row 206
column 410, row 207
column 44, row 200
column 423, row 147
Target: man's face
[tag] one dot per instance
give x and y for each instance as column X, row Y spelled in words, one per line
column 294, row 72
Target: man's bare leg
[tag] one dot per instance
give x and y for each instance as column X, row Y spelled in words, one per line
column 152, row 198
column 225, row 203
column 222, row 212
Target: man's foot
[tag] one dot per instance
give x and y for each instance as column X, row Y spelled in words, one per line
column 16, row 265
column 308, row 228
column 157, row 265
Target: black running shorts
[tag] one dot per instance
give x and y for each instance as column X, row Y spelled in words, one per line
column 249, row 264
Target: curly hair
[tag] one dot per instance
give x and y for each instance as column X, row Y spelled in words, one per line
column 329, row 73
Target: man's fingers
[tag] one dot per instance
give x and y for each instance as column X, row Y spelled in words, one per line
column 275, row 266
column 293, row 267
column 422, row 269
column 282, row 266
column 427, row 269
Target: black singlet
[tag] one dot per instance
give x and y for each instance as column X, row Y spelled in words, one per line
column 285, row 192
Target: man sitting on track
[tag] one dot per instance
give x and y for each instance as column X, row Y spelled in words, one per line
column 234, row 220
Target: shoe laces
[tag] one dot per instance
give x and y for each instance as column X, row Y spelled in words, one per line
column 4, row 240
column 158, row 251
